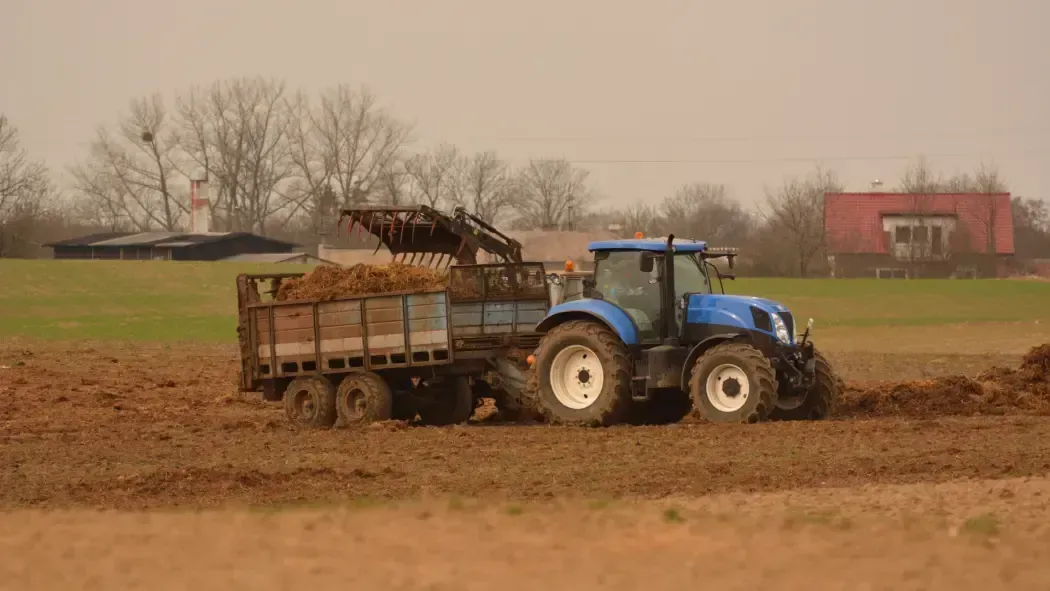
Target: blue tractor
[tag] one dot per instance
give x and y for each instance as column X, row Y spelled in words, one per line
column 650, row 340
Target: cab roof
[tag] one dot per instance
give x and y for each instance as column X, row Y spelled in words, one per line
column 648, row 244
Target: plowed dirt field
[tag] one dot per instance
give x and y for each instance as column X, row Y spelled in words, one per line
column 808, row 505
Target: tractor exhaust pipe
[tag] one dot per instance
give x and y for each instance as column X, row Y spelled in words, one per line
column 669, row 327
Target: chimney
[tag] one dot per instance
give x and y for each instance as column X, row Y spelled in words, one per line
column 200, row 208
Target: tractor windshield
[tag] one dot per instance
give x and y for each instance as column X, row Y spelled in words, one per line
column 689, row 275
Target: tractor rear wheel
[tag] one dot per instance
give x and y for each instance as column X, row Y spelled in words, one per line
column 309, row 401
column 363, row 398
column 733, row 383
column 819, row 401
column 584, row 373
column 452, row 403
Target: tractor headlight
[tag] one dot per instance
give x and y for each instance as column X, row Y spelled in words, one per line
column 780, row 328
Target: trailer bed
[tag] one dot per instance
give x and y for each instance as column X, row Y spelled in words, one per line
column 487, row 309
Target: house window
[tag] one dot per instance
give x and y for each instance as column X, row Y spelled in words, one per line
column 920, row 234
column 937, row 248
column 902, row 235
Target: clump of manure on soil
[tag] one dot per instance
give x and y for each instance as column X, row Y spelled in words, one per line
column 996, row 391
column 327, row 282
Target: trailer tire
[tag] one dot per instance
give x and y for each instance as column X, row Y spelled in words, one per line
column 567, row 357
column 821, row 399
column 733, row 383
column 309, row 401
column 453, row 403
column 363, row 398
column 525, row 406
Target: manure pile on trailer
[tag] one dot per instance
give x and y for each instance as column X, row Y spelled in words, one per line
column 328, row 282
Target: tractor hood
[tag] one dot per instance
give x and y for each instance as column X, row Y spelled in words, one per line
column 735, row 312
column 765, row 304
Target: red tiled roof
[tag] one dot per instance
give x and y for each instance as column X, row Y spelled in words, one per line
column 853, row 221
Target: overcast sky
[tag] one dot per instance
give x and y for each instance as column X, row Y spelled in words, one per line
column 647, row 95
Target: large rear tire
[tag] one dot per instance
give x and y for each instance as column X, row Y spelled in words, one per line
column 363, row 398
column 733, row 383
column 309, row 401
column 821, row 399
column 452, row 403
column 584, row 375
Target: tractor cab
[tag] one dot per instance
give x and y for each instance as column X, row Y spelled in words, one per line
column 631, row 275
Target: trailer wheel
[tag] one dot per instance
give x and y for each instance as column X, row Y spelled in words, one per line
column 452, row 403
column 819, row 402
column 584, row 372
column 733, row 383
column 363, row 398
column 310, row 401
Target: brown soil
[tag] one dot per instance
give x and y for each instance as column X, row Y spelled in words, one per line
column 954, row 536
column 328, row 282
column 996, row 391
column 148, row 426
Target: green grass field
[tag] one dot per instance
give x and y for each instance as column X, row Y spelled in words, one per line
column 168, row 301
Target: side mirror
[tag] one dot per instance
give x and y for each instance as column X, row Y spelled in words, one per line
column 646, row 263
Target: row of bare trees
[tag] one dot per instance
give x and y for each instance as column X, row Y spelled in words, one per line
column 276, row 157
column 25, row 190
column 283, row 161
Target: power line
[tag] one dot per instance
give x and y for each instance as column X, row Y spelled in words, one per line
column 794, row 158
column 759, row 138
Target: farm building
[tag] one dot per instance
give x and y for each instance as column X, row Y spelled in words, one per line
column 292, row 258
column 168, row 246
column 910, row 235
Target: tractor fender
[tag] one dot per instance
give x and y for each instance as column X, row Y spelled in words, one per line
column 701, row 347
column 591, row 309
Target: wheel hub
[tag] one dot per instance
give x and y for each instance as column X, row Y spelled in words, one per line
column 305, row 404
column 576, row 377
column 356, row 403
column 728, row 388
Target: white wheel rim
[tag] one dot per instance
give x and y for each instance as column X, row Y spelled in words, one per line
column 728, row 388
column 577, row 377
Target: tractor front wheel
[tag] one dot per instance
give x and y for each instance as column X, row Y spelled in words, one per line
column 733, row 383
column 584, row 372
column 818, row 402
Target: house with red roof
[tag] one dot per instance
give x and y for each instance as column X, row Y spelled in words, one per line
column 919, row 235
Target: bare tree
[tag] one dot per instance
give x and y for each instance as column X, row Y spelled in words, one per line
column 432, row 175
column 640, row 217
column 704, row 211
column 24, row 191
column 553, row 194
column 238, row 132
column 128, row 172
column 920, row 179
column 796, row 212
column 394, row 186
column 1031, row 228
column 346, row 144
column 485, row 185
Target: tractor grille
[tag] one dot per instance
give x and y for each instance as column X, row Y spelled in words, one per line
column 761, row 319
column 789, row 322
